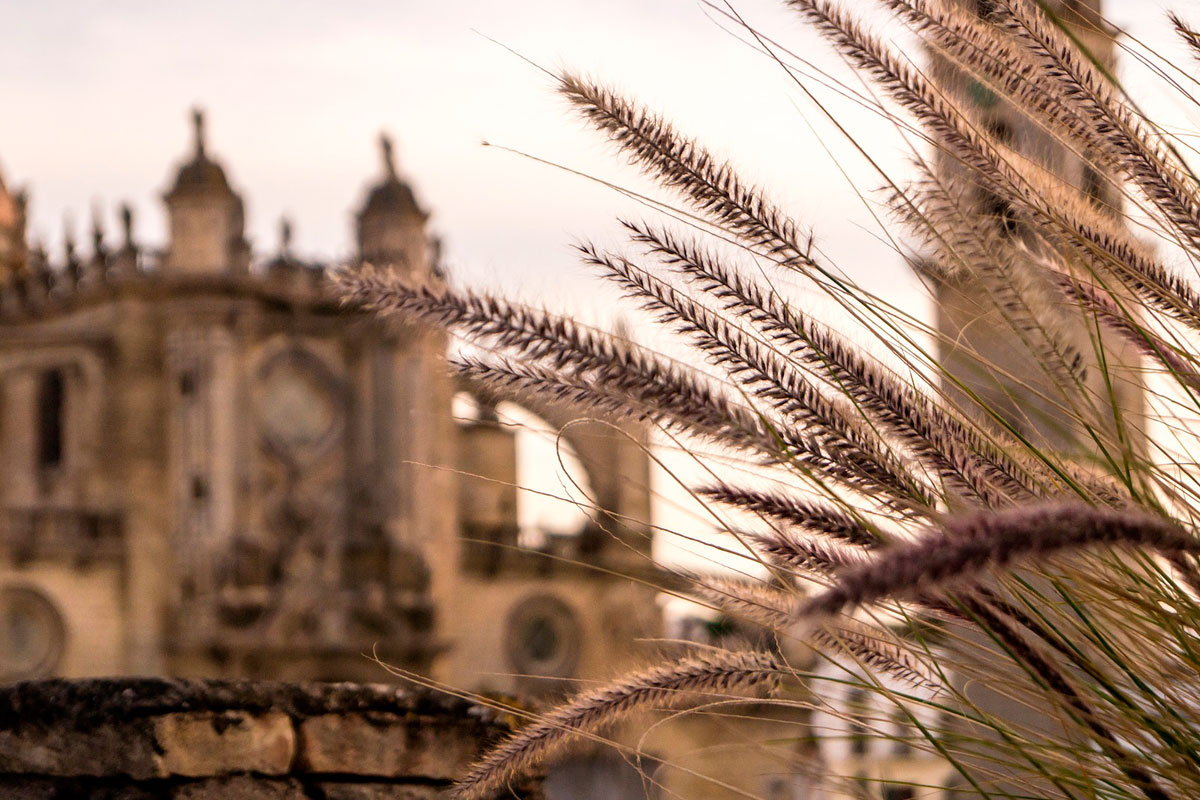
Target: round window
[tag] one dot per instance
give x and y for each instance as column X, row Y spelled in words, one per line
column 32, row 634
column 543, row 637
column 297, row 405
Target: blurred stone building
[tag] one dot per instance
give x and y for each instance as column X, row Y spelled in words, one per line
column 213, row 468
column 983, row 355
column 978, row 345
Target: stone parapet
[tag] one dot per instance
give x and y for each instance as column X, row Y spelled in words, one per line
column 242, row 740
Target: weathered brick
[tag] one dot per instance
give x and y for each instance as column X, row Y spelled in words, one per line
column 139, row 739
column 198, row 744
column 193, row 744
column 378, row 791
column 239, row 787
column 104, row 750
column 385, row 744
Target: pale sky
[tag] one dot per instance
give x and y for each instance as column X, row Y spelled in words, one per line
column 96, row 98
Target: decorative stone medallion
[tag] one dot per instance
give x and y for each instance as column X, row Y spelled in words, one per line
column 298, row 406
column 32, row 634
column 543, row 637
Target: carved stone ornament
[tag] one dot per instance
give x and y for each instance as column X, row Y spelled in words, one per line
column 543, row 637
column 32, row 634
column 299, row 406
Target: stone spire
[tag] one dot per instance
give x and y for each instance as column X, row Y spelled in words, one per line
column 125, row 261
column 391, row 224
column 198, row 131
column 97, row 266
column 388, row 151
column 72, row 267
column 126, row 213
column 285, row 237
column 284, row 262
column 206, row 215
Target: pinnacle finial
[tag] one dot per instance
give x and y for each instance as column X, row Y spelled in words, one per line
column 285, row 236
column 69, row 237
column 127, row 224
column 97, row 232
column 389, row 154
column 198, row 130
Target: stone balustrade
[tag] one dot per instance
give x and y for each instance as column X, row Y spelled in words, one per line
column 67, row 533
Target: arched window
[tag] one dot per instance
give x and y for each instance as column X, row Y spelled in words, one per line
column 51, row 404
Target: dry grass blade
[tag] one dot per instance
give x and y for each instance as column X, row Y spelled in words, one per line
column 1137, row 148
column 823, row 558
column 879, row 651
column 807, row 515
column 968, row 545
column 927, row 430
column 1186, row 32
column 753, row 601
column 1126, row 326
column 680, row 163
column 684, row 682
column 673, row 400
column 774, row 381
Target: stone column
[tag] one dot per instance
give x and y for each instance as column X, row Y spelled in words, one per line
column 142, row 429
column 20, row 438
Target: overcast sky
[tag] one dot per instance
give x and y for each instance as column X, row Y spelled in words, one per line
column 95, row 98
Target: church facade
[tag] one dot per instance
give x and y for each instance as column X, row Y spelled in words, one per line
column 214, row 468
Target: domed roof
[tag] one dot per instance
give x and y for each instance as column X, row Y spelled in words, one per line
column 391, row 196
column 201, row 175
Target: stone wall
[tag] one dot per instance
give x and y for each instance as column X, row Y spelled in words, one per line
column 137, row 739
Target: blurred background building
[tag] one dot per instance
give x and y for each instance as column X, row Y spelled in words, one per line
column 212, row 467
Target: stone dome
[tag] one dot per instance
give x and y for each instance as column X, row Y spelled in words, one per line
column 391, row 196
column 201, row 175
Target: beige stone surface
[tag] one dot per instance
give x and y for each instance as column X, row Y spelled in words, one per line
column 199, row 739
column 187, row 744
column 215, row 743
column 89, row 600
column 63, row 751
column 386, row 745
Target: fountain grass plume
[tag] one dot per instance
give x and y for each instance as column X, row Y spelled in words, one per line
column 923, row 528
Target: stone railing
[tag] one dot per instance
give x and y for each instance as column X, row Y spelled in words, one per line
column 149, row 738
column 52, row 532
